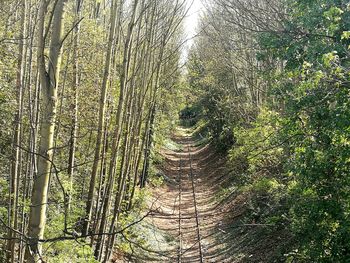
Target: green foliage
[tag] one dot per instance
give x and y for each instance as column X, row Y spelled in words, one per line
column 256, row 164
column 319, row 123
column 189, row 116
column 7, row 84
column 156, row 177
column 65, row 251
column 291, row 159
column 136, row 232
column 216, row 103
column 314, row 88
column 221, row 106
column 266, row 185
column 7, row 109
column 257, row 147
column 70, row 251
column 171, row 145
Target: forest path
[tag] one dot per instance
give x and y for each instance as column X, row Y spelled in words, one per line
column 187, row 210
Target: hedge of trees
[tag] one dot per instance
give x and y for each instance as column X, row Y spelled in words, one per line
column 272, row 79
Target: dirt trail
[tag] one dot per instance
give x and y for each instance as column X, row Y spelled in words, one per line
column 189, row 223
column 187, row 209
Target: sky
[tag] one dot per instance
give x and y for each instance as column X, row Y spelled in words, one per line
column 191, row 21
column 195, row 7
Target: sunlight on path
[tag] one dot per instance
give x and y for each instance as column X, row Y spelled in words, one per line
column 187, row 211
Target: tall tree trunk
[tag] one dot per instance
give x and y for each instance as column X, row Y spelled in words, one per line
column 122, row 177
column 74, row 117
column 103, row 185
column 101, row 120
column 119, row 123
column 15, row 164
column 33, row 106
column 149, row 138
column 49, row 81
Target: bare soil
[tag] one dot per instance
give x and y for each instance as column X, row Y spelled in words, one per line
column 178, row 200
column 222, row 233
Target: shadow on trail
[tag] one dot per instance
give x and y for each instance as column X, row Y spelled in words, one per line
column 222, row 235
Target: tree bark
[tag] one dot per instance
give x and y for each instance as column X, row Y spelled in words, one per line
column 49, row 81
column 101, row 119
column 74, row 117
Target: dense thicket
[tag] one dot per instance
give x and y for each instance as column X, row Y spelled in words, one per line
column 85, row 88
column 274, row 76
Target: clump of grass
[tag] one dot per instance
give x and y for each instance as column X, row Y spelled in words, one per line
column 173, row 146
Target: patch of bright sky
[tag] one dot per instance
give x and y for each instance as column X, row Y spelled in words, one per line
column 191, row 22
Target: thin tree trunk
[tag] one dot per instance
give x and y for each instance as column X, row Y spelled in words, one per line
column 122, row 178
column 101, row 120
column 148, row 150
column 119, row 124
column 73, row 136
column 49, row 82
column 102, row 186
column 16, row 154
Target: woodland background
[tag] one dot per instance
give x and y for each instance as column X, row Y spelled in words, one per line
column 91, row 90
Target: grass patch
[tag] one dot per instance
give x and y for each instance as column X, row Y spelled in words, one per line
column 173, row 146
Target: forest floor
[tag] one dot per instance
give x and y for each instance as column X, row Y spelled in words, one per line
column 191, row 222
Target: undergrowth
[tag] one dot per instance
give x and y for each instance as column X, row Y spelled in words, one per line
column 255, row 170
